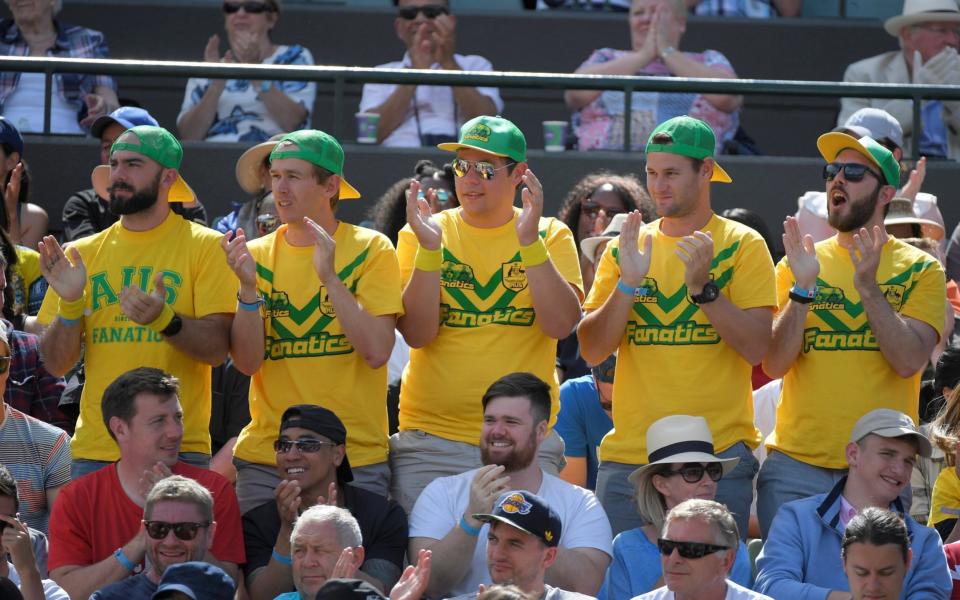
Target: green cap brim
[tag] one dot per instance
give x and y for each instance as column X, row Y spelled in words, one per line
column 454, row 146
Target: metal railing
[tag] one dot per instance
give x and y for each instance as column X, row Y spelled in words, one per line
column 340, row 76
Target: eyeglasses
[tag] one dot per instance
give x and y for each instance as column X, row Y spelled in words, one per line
column 592, row 209
column 305, row 446
column 939, row 29
column 158, row 530
column 430, row 11
column 851, row 171
column 4, row 364
column 691, row 550
column 251, row 8
column 485, row 169
column 267, row 222
column 693, row 472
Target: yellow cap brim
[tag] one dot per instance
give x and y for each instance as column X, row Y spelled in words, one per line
column 347, row 191
column 832, row 144
column 179, row 191
column 719, row 175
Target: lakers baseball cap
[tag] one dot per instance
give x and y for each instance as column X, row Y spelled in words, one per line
column 318, row 148
column 323, row 421
column 493, row 135
column 833, row 143
column 527, row 512
column 157, row 144
column 689, row 137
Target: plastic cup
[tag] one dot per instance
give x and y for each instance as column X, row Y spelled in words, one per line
column 554, row 136
column 367, row 124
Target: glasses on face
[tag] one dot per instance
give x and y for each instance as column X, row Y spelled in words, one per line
column 940, row 29
column 485, row 169
column 693, row 472
column 158, row 530
column 592, row 209
column 851, row 171
column 305, row 446
column 691, row 550
column 251, row 8
column 4, row 364
column 430, row 11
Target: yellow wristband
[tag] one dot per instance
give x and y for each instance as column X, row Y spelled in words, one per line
column 161, row 322
column 428, row 260
column 534, row 254
column 72, row 310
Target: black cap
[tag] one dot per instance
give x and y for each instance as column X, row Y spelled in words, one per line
column 197, row 580
column 323, row 421
column 10, row 136
column 527, row 512
column 348, row 589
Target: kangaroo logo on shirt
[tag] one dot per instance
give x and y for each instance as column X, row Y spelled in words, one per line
column 829, row 298
column 894, row 295
column 279, row 304
column 647, row 291
column 326, row 307
column 514, row 276
column 456, row 275
column 515, row 504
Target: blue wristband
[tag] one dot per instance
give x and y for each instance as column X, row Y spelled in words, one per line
column 283, row 560
column 626, row 289
column 68, row 322
column 250, row 306
column 811, row 294
column 468, row 528
column 124, row 561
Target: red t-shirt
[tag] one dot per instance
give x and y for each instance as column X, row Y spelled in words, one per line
column 93, row 516
column 953, row 562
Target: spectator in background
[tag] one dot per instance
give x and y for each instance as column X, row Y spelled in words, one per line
column 945, row 495
column 10, row 508
column 238, row 110
column 24, row 222
column 583, row 420
column 876, row 554
column 253, row 175
column 389, row 214
column 758, row 9
column 24, row 549
column 656, row 29
column 591, row 5
column 421, row 115
column 77, row 99
column 927, row 31
column 195, row 581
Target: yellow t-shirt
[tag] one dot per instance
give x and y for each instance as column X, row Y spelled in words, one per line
column 946, row 494
column 488, row 326
column 840, row 373
column 28, row 283
column 671, row 359
column 308, row 359
column 198, row 282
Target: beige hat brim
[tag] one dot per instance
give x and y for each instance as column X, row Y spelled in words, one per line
column 728, row 464
column 180, row 191
column 894, row 25
column 588, row 246
column 248, row 166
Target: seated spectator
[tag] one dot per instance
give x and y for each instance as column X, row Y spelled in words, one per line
column 696, row 545
column 96, row 521
column 195, row 581
column 516, row 408
column 389, row 214
column 178, row 526
column 945, row 496
column 656, row 28
column 421, row 115
column 10, row 507
column 238, row 110
column 764, row 9
column 253, row 175
column 410, row 587
column 801, row 553
column 927, row 31
column 522, row 544
column 86, row 212
column 78, row 99
column 314, row 469
column 675, row 474
column 876, row 554
column 584, row 418
column 592, row 5
column 902, row 221
column 19, row 562
column 25, row 222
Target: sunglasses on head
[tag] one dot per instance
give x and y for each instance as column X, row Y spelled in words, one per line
column 251, row 8
column 485, row 169
column 305, row 446
column 691, row 550
column 430, row 11
column 851, row 171
column 443, row 196
column 158, row 530
column 4, row 364
column 693, row 472
column 592, row 209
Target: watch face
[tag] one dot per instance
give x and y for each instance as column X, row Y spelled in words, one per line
column 710, row 291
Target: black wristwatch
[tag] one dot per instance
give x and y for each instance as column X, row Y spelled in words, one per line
column 709, row 293
column 176, row 324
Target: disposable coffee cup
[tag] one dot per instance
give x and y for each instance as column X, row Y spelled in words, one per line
column 555, row 136
column 367, row 124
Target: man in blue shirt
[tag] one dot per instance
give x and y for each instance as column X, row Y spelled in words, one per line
column 584, row 418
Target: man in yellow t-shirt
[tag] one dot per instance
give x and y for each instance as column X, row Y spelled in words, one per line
column 489, row 289
column 150, row 290
column 332, row 296
column 859, row 314
column 688, row 300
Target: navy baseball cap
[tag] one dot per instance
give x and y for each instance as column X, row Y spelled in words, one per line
column 127, row 116
column 527, row 512
column 323, row 421
column 348, row 589
column 197, row 580
column 10, row 136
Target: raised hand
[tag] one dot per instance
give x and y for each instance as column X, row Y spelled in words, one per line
column 211, row 53
column 528, row 223
column 245, row 46
column 422, row 51
column 16, row 542
column 445, row 41
column 413, row 582
column 239, row 258
column 324, row 251
column 915, row 181
column 288, row 499
column 346, row 566
column 331, row 499
column 865, row 254
column 142, row 308
column 634, row 264
column 696, row 253
column 487, row 485
column 421, row 221
column 67, row 276
column 11, row 193
column 151, row 476
column 801, row 255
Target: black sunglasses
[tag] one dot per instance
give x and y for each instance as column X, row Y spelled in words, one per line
column 251, row 8
column 693, row 472
column 851, row 171
column 158, row 530
column 305, row 446
column 592, row 209
column 430, row 11
column 4, row 364
column 692, row 550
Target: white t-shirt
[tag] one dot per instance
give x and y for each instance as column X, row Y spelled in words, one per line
column 51, row 591
column 734, row 592
column 24, row 107
column 434, row 104
column 443, row 502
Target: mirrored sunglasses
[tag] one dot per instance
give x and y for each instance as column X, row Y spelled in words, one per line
column 485, row 169
column 305, row 446
column 851, row 171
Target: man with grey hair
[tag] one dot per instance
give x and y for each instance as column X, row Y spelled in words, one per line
column 698, row 545
column 325, row 544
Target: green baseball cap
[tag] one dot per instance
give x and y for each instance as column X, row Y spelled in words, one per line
column 692, row 138
column 493, row 135
column 157, row 144
column 833, row 143
column 317, row 148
